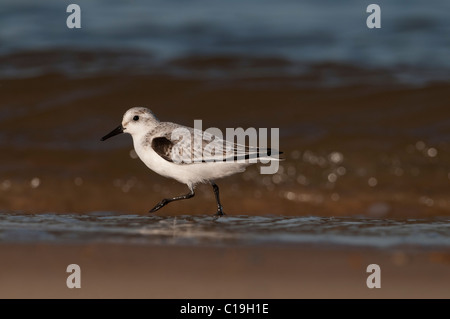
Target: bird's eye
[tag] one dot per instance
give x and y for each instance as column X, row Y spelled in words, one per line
column 136, row 118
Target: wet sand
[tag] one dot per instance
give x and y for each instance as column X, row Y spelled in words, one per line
column 172, row 272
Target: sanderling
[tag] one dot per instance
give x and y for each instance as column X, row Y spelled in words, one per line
column 154, row 144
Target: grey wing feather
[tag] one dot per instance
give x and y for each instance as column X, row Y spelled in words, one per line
column 184, row 145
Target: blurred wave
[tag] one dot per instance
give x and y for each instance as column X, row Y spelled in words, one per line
column 138, row 36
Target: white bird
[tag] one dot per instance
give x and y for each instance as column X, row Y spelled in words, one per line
column 180, row 158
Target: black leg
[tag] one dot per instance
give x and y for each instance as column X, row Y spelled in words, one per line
column 166, row 201
column 219, row 206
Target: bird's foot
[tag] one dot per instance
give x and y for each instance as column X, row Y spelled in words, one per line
column 220, row 211
column 160, row 205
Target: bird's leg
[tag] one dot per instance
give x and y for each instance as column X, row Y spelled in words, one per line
column 219, row 206
column 166, row 201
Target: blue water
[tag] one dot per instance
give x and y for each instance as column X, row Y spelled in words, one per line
column 229, row 230
column 413, row 39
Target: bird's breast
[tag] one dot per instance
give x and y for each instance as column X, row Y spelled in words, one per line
column 150, row 158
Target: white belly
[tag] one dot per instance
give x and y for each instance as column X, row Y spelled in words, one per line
column 189, row 174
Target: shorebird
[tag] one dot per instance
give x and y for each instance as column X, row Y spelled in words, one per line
column 159, row 145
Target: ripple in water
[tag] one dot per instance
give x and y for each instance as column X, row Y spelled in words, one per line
column 122, row 229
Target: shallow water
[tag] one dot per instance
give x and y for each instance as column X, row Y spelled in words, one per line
column 229, row 230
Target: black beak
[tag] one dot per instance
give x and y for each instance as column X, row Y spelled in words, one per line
column 114, row 132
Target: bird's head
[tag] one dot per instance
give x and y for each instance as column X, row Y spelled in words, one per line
column 137, row 120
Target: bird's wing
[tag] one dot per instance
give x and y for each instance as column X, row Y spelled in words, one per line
column 215, row 148
column 183, row 145
column 163, row 147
